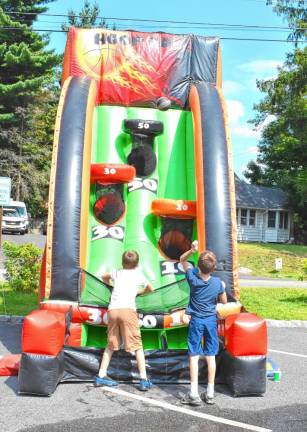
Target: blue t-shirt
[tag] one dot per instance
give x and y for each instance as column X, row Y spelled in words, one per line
column 203, row 294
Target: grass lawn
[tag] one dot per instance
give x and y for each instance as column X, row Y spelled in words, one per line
column 14, row 303
column 276, row 303
column 260, row 258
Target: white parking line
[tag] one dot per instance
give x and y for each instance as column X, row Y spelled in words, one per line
column 288, row 353
column 186, row 411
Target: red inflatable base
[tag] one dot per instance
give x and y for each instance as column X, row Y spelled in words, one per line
column 245, row 335
column 9, row 364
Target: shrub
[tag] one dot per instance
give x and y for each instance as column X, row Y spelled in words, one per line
column 22, row 265
column 303, row 274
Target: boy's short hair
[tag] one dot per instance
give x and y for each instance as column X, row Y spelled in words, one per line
column 206, row 262
column 130, row 259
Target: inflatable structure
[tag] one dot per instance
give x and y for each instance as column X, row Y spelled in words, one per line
column 141, row 161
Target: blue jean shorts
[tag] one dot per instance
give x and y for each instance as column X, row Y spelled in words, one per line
column 203, row 337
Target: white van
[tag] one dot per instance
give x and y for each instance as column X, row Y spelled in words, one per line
column 15, row 217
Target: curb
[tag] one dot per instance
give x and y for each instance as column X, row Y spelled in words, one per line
column 11, row 319
column 15, row 319
column 282, row 323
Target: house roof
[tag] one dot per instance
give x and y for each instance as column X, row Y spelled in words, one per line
column 259, row 197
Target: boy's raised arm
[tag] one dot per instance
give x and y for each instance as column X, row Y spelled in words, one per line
column 186, row 255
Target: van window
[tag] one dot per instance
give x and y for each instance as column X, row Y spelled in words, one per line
column 10, row 212
column 20, row 210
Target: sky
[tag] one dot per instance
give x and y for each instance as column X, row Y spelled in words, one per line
column 243, row 61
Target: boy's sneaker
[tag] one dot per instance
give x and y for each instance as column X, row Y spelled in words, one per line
column 187, row 399
column 145, row 384
column 209, row 400
column 105, row 381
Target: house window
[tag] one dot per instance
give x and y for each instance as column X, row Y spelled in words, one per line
column 283, row 220
column 246, row 217
column 252, row 217
column 271, row 219
column 243, row 217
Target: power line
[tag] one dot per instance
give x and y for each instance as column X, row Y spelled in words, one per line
column 262, row 40
column 221, row 38
column 202, row 23
column 33, row 29
column 159, row 21
column 122, row 26
column 265, row 1
column 178, row 27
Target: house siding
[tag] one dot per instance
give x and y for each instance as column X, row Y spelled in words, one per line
column 283, row 235
column 251, row 233
column 260, row 232
column 270, row 235
column 263, row 200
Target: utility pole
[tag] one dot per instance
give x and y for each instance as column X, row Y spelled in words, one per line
column 1, row 215
column 5, row 193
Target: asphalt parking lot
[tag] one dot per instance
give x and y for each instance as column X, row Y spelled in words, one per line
column 81, row 407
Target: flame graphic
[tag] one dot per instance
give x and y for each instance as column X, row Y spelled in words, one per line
column 134, row 76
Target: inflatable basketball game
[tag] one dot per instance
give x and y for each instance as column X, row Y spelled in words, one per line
column 142, row 160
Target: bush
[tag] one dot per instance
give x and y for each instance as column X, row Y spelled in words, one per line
column 303, row 275
column 22, row 265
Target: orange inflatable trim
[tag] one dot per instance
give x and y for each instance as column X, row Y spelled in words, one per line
column 112, row 173
column 177, row 209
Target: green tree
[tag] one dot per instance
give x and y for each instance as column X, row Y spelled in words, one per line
column 88, row 17
column 295, row 13
column 40, row 144
column 27, row 85
column 21, row 8
column 255, row 174
column 26, row 65
column 283, row 147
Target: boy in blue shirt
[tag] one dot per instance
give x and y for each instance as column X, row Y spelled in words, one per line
column 205, row 292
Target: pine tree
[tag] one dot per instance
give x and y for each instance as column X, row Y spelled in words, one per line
column 88, row 17
column 27, row 88
column 26, row 66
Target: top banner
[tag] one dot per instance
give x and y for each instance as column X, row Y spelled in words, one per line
column 134, row 68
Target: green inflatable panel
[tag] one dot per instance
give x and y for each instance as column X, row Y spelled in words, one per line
column 139, row 229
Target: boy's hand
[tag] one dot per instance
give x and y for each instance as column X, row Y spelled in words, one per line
column 186, row 255
column 107, row 279
column 194, row 247
column 148, row 289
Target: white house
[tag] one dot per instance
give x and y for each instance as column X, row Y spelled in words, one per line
column 262, row 213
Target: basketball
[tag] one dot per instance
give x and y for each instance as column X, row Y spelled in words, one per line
column 163, row 103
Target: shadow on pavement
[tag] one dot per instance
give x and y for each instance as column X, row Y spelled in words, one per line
column 10, row 338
